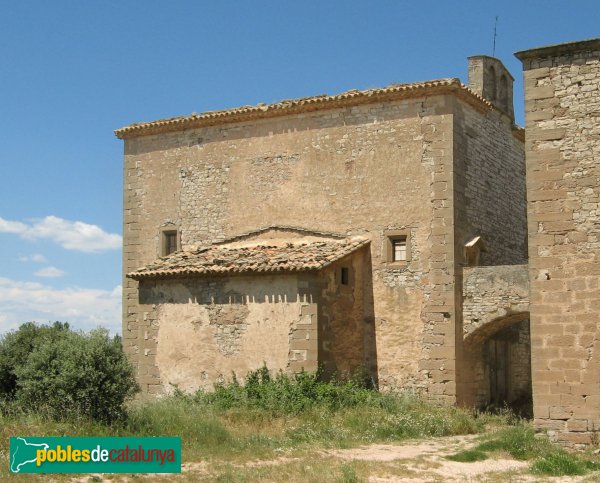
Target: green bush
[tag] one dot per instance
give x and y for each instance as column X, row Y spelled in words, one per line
column 284, row 394
column 15, row 348
column 62, row 373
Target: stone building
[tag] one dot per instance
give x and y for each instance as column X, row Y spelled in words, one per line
column 562, row 109
column 342, row 231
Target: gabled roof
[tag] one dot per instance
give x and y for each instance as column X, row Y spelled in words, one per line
column 307, row 104
column 281, row 228
column 260, row 258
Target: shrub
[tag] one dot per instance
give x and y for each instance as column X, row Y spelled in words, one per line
column 15, row 348
column 63, row 373
column 284, row 394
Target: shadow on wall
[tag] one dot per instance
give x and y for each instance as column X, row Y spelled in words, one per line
column 233, row 305
column 226, row 290
column 498, row 359
column 347, row 342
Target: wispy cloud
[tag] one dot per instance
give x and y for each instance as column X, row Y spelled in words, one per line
column 72, row 235
column 36, row 257
column 49, row 272
column 83, row 308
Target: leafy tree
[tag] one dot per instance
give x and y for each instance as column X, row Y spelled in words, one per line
column 16, row 346
column 63, row 373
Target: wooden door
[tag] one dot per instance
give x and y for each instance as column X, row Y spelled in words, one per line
column 498, row 352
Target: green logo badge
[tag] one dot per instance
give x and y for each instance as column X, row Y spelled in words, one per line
column 95, row 455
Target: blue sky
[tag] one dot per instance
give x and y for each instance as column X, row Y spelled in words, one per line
column 73, row 71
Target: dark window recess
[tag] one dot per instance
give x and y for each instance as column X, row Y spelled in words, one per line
column 345, row 276
column 170, row 242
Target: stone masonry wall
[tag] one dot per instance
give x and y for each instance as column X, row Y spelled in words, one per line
column 344, row 337
column 208, row 329
column 491, row 294
column 490, row 187
column 562, row 105
column 353, row 170
column 495, row 300
column 489, row 194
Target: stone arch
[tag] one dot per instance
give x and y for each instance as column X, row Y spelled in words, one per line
column 490, row 327
column 497, row 363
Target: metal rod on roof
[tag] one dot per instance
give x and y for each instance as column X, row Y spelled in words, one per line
column 495, row 26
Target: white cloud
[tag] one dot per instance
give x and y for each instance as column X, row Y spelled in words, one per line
column 83, row 308
column 36, row 257
column 49, row 272
column 72, row 235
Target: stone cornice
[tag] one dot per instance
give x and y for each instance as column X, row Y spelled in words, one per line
column 308, row 104
column 558, row 49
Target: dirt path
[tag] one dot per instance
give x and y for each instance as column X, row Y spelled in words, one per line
column 407, row 462
column 426, row 461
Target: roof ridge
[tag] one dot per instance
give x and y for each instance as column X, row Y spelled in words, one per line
column 278, row 227
column 303, row 104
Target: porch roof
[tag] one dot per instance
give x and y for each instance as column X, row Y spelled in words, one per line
column 257, row 258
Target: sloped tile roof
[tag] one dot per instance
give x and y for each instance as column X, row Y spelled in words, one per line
column 218, row 259
column 306, row 104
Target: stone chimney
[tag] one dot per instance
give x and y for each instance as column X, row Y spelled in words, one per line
column 490, row 79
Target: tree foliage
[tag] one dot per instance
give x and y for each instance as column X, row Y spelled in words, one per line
column 61, row 372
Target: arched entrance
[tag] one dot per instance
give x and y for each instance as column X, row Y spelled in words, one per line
column 497, row 356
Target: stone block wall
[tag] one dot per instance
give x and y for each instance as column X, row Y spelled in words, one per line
column 489, row 202
column 386, row 164
column 490, row 186
column 495, row 308
column 562, row 107
column 493, row 294
column 361, row 170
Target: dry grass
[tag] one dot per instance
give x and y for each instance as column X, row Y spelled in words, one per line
column 296, row 430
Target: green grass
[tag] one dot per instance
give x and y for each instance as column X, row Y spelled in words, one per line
column 520, row 442
column 265, row 418
column 270, row 418
column 469, row 456
column 561, row 463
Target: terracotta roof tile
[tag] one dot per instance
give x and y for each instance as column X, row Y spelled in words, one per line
column 305, row 104
column 218, row 259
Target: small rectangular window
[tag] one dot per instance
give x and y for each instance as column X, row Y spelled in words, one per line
column 345, row 276
column 397, row 246
column 399, row 249
column 170, row 242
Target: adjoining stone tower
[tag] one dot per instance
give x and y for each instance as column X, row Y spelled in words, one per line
column 490, row 79
column 562, row 112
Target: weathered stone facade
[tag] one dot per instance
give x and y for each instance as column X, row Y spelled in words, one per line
column 496, row 337
column 433, row 164
column 562, row 107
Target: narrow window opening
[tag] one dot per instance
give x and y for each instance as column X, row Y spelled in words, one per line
column 169, row 242
column 503, row 92
column 345, row 276
column 491, row 82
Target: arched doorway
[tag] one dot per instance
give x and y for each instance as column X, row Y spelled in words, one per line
column 497, row 358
